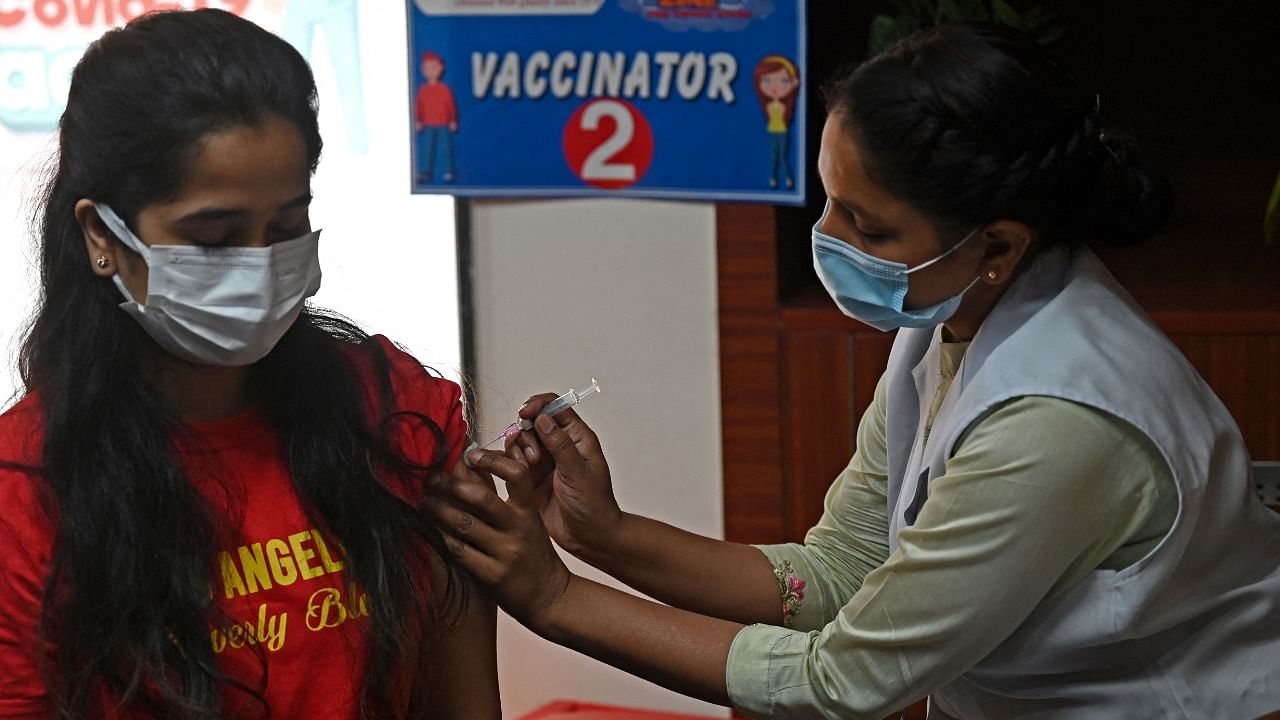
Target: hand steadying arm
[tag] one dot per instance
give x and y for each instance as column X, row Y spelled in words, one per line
column 505, row 546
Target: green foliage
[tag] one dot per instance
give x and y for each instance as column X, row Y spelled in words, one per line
column 908, row 16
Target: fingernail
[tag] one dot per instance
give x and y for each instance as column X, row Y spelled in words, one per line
column 522, row 407
column 529, row 453
column 545, row 423
column 473, row 457
column 466, row 454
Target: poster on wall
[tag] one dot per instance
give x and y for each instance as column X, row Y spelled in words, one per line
column 41, row 41
column 683, row 99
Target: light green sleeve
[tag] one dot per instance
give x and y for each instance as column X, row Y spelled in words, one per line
column 1040, row 493
column 817, row 578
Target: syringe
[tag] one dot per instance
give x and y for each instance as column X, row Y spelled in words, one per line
column 565, row 401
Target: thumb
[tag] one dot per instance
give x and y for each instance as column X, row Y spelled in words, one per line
column 564, row 451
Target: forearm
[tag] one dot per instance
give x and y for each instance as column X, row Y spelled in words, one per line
column 679, row 650
column 700, row 574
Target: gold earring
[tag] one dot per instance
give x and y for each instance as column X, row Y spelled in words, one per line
column 102, row 262
column 992, row 275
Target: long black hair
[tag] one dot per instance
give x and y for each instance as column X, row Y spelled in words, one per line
column 127, row 606
column 970, row 123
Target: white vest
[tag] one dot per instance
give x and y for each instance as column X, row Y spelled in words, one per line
column 1192, row 630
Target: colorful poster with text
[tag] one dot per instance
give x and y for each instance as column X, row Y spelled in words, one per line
column 683, row 99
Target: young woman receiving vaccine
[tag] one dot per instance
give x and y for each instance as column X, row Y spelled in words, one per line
column 1048, row 514
column 211, row 488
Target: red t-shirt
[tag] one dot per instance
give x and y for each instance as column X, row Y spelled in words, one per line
column 434, row 106
column 280, row 577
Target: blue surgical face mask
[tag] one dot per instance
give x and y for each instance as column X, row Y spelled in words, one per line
column 872, row 290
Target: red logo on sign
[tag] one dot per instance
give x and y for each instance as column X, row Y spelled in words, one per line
column 608, row 143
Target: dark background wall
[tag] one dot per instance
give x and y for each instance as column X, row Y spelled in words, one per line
column 1198, row 84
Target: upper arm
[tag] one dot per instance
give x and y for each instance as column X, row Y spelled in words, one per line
column 417, row 392
column 1083, row 479
column 464, row 679
column 464, row 684
column 1019, row 513
column 872, row 457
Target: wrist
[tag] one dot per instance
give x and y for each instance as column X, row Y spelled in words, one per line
column 608, row 542
column 549, row 620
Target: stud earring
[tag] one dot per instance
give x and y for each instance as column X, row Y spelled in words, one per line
column 992, row 275
column 102, row 262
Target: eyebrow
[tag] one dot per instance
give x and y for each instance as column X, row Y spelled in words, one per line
column 214, row 214
column 857, row 210
column 852, row 207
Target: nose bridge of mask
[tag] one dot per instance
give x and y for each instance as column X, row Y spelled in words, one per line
column 122, row 231
column 292, row 256
column 869, row 263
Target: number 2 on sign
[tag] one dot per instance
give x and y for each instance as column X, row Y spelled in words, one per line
column 598, row 165
column 608, row 143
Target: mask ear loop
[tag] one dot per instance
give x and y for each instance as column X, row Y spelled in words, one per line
column 952, row 249
column 129, row 240
column 122, row 231
column 827, row 208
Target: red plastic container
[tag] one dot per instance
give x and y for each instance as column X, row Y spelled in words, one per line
column 571, row 710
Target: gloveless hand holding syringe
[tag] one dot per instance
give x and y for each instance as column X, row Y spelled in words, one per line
column 564, row 402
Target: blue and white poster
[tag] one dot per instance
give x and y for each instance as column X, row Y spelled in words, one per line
column 686, row 99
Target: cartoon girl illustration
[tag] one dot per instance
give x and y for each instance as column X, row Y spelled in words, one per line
column 776, row 82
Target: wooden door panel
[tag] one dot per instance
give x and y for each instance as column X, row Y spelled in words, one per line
column 828, row 380
column 751, row 433
column 1244, row 370
column 818, row 421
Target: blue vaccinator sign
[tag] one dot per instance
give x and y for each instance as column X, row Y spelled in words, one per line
column 690, row 99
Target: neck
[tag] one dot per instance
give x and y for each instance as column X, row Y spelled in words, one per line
column 205, row 392
column 980, row 299
column 969, row 316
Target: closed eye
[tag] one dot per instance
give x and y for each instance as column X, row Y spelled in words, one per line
column 281, row 234
column 212, row 239
column 871, row 237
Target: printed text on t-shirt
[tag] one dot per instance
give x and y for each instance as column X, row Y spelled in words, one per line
column 281, row 562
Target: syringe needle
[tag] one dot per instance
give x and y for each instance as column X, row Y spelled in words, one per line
column 506, row 433
column 565, row 401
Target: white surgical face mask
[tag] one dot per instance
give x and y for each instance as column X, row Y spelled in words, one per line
column 226, row 306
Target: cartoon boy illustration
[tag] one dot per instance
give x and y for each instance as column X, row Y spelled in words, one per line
column 436, row 119
column 776, row 83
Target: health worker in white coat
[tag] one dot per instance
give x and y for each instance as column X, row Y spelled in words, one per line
column 1049, row 513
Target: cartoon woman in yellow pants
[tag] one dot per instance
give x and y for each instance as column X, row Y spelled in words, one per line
column 776, row 82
